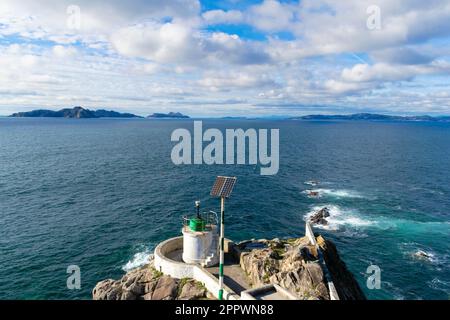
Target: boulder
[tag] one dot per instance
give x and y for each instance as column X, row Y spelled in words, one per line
column 192, row 290
column 320, row 217
column 166, row 289
column 295, row 265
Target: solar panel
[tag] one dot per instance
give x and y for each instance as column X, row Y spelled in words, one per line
column 223, row 187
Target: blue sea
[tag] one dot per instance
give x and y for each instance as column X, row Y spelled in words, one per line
column 101, row 194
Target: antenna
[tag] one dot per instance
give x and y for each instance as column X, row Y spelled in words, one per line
column 197, row 206
column 223, row 187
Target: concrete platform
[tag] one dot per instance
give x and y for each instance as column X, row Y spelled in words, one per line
column 234, row 277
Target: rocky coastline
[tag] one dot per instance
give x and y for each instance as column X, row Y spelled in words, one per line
column 294, row 264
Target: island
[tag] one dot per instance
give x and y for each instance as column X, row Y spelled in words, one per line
column 170, row 115
column 74, row 113
column 371, row 116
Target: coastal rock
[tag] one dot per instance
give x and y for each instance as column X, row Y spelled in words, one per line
column 147, row 283
column 295, row 265
column 346, row 285
column 422, row 255
column 192, row 290
column 320, row 217
column 166, row 289
column 292, row 264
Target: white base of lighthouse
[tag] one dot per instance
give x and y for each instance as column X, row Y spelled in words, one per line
column 201, row 247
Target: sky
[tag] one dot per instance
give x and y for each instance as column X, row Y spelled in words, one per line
column 226, row 58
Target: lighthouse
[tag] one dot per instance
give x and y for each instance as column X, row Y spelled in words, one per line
column 201, row 239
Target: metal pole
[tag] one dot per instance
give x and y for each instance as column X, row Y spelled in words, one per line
column 222, row 242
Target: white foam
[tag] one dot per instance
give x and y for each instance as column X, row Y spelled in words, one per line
column 419, row 253
column 339, row 217
column 337, row 193
column 438, row 284
column 139, row 259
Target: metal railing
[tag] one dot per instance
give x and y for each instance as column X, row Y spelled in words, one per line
column 211, row 218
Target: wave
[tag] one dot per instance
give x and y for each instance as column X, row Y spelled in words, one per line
column 422, row 254
column 312, row 183
column 139, row 259
column 441, row 285
column 336, row 193
column 339, row 217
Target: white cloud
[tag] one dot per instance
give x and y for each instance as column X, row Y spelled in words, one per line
column 223, row 17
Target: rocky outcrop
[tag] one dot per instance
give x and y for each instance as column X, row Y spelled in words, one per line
column 147, row 283
column 344, row 281
column 295, row 265
column 320, row 217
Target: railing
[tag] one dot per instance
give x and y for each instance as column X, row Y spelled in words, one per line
column 211, row 218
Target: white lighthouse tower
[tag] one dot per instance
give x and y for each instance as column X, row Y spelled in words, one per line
column 201, row 239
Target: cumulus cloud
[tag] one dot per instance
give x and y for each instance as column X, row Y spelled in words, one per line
column 223, row 17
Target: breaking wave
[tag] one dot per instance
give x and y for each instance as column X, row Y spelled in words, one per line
column 422, row 254
column 139, row 259
column 339, row 217
column 336, row 193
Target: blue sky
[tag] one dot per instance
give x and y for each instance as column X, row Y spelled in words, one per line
column 216, row 58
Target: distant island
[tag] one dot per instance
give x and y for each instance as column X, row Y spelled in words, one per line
column 371, row 116
column 74, row 113
column 82, row 113
column 170, row 115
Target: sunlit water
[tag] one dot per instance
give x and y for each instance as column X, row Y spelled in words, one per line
column 101, row 194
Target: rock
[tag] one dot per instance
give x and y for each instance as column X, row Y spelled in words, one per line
column 114, row 294
column 346, row 285
column 294, row 265
column 128, row 295
column 422, row 255
column 150, row 287
column 192, row 290
column 166, row 289
column 102, row 289
column 319, row 217
column 146, row 283
column 137, row 289
column 290, row 263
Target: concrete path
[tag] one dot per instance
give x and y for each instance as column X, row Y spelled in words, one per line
column 234, row 277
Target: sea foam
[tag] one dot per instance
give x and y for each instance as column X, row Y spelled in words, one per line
column 337, row 193
column 339, row 217
column 139, row 259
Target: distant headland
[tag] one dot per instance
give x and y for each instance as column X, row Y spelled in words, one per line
column 371, row 116
column 170, row 115
column 74, row 113
column 82, row 113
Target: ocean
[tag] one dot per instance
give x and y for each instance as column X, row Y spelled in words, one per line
column 102, row 193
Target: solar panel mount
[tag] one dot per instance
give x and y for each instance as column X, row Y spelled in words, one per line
column 223, row 187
